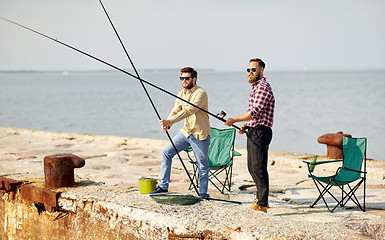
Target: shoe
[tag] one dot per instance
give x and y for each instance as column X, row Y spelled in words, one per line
column 256, row 207
column 205, row 195
column 262, row 209
column 158, row 190
column 255, row 204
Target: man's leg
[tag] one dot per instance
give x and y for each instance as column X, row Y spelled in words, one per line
column 257, row 162
column 201, row 152
column 251, row 159
column 181, row 142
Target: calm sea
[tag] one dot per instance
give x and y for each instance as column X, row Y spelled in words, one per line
column 308, row 104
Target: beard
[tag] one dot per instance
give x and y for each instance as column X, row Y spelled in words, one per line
column 253, row 78
column 189, row 85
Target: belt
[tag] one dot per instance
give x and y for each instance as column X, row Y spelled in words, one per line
column 257, row 127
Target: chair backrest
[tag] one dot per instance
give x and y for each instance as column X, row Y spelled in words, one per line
column 222, row 143
column 354, row 151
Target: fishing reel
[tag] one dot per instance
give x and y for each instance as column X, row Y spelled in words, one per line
column 222, row 114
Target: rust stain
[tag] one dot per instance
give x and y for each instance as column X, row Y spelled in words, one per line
column 40, row 195
column 9, row 185
column 173, row 236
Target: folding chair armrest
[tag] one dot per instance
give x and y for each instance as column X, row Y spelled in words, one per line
column 235, row 153
column 322, row 162
column 189, row 149
column 307, row 162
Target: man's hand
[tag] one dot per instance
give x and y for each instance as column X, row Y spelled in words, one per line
column 243, row 129
column 164, row 123
column 229, row 122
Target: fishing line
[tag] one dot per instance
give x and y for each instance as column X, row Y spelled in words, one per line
column 119, row 69
column 153, row 105
column 149, row 97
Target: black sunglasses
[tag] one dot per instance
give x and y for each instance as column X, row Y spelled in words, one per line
column 184, row 78
column 252, row 69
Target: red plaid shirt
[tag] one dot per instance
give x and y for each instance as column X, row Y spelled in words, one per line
column 261, row 104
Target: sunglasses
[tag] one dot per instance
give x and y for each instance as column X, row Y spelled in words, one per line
column 184, row 78
column 251, row 69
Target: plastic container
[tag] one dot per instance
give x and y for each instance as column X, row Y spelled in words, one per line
column 147, row 185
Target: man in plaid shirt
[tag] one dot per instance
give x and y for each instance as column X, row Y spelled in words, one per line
column 259, row 120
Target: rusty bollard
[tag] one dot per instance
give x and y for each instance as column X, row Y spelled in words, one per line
column 59, row 170
column 333, row 142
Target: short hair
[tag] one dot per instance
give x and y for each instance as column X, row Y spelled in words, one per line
column 259, row 61
column 191, row 70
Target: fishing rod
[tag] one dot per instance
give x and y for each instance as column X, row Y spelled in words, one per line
column 149, row 97
column 221, row 200
column 156, row 111
column 217, row 116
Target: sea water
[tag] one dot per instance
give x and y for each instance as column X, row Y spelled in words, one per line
column 308, row 104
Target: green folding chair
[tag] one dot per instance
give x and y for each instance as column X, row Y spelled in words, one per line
column 350, row 174
column 221, row 154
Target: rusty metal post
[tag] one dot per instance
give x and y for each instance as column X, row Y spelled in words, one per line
column 59, row 170
column 43, row 196
column 9, row 185
column 333, row 142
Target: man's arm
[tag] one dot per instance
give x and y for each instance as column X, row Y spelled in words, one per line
column 200, row 100
column 179, row 113
column 244, row 117
column 165, row 124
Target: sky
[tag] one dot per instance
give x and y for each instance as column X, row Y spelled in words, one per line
column 217, row 34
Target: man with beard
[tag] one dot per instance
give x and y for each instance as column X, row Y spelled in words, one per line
column 194, row 133
column 259, row 120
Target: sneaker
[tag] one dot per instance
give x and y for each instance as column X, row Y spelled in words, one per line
column 205, row 195
column 262, row 209
column 256, row 207
column 255, row 204
column 158, row 190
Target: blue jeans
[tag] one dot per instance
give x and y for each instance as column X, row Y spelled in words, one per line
column 201, row 152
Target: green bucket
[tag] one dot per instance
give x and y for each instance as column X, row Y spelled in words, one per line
column 147, row 185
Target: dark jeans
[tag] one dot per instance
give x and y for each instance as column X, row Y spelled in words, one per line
column 258, row 142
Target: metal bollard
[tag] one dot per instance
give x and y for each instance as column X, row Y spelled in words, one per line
column 59, row 170
column 333, row 142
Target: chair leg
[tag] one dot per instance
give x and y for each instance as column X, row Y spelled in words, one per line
column 346, row 196
column 352, row 196
column 213, row 175
column 342, row 196
column 321, row 193
column 226, row 182
column 194, row 177
column 229, row 176
column 364, row 190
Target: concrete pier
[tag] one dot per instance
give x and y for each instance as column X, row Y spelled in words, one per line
column 105, row 202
